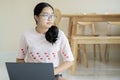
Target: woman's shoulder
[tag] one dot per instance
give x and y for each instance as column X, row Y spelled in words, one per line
column 28, row 32
column 61, row 32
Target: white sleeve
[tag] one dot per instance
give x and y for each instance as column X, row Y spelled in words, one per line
column 65, row 49
column 22, row 50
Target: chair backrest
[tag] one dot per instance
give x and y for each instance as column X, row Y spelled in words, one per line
column 109, row 26
column 58, row 16
column 81, row 28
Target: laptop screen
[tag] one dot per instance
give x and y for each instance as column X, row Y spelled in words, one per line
column 30, row 71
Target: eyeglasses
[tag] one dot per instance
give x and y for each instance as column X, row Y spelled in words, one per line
column 47, row 16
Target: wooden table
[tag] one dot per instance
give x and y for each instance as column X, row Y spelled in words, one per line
column 73, row 18
column 94, row 17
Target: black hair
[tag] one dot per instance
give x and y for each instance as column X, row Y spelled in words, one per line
column 39, row 7
column 52, row 34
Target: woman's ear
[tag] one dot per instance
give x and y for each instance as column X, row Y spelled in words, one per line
column 36, row 18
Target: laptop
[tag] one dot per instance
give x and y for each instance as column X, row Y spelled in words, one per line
column 30, row 71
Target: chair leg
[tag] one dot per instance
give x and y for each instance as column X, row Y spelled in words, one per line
column 94, row 47
column 85, row 55
column 107, row 53
column 79, row 55
column 74, row 50
column 100, row 56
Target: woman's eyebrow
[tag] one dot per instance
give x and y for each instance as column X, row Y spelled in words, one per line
column 47, row 13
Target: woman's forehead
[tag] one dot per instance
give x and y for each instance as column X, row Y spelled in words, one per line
column 47, row 10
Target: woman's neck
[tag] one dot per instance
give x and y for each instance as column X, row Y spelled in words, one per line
column 41, row 30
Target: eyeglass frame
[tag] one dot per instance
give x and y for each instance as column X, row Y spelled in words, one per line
column 48, row 16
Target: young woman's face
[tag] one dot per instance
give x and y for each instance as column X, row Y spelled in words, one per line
column 46, row 18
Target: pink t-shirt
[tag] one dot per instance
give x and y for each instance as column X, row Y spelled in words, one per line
column 35, row 48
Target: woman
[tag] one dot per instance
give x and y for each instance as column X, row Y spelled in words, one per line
column 45, row 43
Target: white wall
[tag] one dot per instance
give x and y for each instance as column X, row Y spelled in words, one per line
column 17, row 15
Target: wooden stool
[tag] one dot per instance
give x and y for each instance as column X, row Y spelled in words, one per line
column 108, row 33
column 83, row 25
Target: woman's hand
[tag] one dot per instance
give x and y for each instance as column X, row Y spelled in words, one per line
column 20, row 60
column 62, row 67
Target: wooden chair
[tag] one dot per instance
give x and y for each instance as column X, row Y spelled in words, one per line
column 83, row 25
column 109, row 33
column 58, row 14
column 82, row 47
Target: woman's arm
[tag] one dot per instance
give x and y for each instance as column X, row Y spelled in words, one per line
column 23, row 48
column 65, row 65
column 19, row 60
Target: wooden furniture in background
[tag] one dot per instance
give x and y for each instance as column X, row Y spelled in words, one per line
column 109, row 33
column 75, row 40
column 73, row 18
column 58, row 15
column 90, row 40
column 84, row 26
